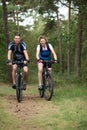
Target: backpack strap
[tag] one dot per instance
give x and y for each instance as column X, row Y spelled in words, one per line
column 40, row 48
column 48, row 48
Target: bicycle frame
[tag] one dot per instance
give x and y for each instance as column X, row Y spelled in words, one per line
column 47, row 79
column 19, row 81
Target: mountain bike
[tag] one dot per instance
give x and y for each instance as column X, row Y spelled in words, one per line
column 19, row 80
column 47, row 81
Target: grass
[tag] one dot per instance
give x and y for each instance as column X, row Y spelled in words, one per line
column 72, row 101
column 66, row 111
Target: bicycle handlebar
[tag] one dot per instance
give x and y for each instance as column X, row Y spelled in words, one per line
column 49, row 61
column 17, row 62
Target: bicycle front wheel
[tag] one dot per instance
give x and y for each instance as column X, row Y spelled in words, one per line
column 18, row 88
column 41, row 92
column 48, row 92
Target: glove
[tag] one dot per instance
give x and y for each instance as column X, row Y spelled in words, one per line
column 56, row 61
column 8, row 61
column 28, row 61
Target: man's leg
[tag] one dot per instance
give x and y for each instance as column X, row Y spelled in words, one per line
column 25, row 70
column 25, row 78
column 14, row 68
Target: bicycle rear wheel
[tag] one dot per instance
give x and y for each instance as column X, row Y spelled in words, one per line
column 18, row 88
column 48, row 92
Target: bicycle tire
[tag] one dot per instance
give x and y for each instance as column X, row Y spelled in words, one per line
column 48, row 92
column 18, row 88
column 41, row 92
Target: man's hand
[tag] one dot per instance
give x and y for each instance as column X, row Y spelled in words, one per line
column 26, row 61
column 9, row 62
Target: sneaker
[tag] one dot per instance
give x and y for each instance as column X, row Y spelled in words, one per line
column 40, row 87
column 24, row 86
column 14, row 86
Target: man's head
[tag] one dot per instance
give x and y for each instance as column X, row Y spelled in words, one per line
column 17, row 38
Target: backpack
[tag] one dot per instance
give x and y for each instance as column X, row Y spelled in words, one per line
column 48, row 48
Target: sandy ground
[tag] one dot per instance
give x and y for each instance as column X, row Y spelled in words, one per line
column 30, row 106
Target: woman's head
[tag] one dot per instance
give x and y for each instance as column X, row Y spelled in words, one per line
column 42, row 39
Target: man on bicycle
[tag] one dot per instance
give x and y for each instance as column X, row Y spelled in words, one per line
column 18, row 48
column 43, row 52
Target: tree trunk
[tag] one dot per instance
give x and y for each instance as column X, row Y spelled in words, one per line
column 5, row 19
column 59, row 43
column 17, row 19
column 78, row 45
column 68, row 53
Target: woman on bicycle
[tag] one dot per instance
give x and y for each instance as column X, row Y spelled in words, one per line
column 43, row 52
column 18, row 48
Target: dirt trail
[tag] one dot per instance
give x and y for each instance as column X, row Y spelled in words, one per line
column 31, row 105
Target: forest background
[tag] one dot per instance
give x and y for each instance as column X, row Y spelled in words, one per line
column 68, row 36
